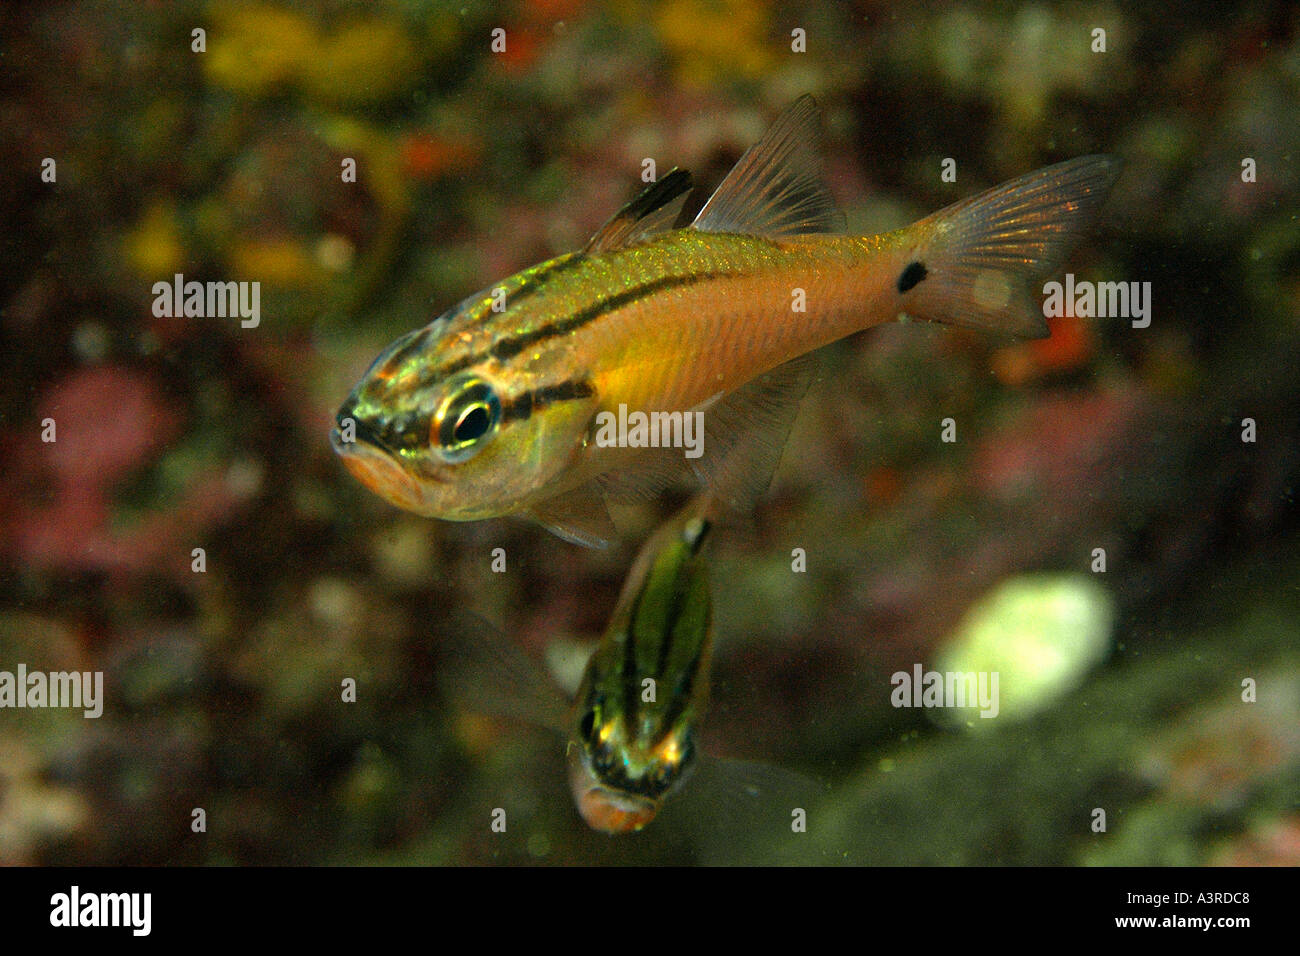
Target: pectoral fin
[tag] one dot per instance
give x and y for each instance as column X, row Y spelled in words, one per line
column 578, row 516
column 740, row 811
column 650, row 474
column 483, row 671
column 745, row 432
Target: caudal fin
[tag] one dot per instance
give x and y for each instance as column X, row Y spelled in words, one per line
column 976, row 263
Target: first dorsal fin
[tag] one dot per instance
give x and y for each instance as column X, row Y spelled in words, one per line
column 655, row 210
column 776, row 189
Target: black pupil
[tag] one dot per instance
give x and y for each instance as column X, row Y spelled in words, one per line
column 472, row 424
column 588, row 724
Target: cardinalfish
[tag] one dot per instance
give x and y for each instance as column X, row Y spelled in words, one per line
column 647, row 684
column 492, row 409
column 631, row 727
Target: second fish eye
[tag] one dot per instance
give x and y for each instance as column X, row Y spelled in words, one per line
column 466, row 416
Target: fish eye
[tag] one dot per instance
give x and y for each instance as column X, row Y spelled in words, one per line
column 588, row 726
column 469, row 414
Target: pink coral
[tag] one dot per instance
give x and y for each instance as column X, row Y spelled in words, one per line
column 107, row 422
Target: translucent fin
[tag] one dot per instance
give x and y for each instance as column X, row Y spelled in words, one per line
column 975, row 262
column 647, row 476
column 740, row 811
column 776, row 188
column 655, row 210
column 577, row 516
column 485, row 672
column 746, row 431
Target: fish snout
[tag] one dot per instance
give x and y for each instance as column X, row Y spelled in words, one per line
column 351, row 430
column 369, row 460
column 612, row 811
column 604, row 808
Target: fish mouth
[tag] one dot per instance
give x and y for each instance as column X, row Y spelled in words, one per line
column 340, row 446
column 382, row 473
column 608, row 809
column 614, row 811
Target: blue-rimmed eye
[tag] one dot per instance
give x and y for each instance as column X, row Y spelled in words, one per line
column 466, row 418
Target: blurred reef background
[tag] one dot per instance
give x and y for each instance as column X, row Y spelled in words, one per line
column 223, row 687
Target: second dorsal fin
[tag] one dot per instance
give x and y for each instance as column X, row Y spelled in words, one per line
column 776, row 188
column 655, row 210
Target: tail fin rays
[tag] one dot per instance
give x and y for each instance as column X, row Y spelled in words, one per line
column 977, row 259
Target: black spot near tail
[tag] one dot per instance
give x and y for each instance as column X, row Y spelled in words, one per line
column 911, row 276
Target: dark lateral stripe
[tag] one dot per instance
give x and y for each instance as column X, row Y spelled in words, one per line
column 446, row 371
column 681, row 697
column 678, row 701
column 630, row 685
column 525, row 403
column 517, row 408
column 418, row 342
column 675, row 599
column 510, row 347
column 678, row 697
column 564, row 392
column 530, row 286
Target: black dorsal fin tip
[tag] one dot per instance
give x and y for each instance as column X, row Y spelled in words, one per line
column 655, row 209
column 695, row 532
column 658, row 194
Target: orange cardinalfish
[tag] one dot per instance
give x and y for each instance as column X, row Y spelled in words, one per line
column 492, row 409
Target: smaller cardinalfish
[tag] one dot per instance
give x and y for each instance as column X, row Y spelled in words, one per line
column 646, row 686
column 498, row 406
column 631, row 727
